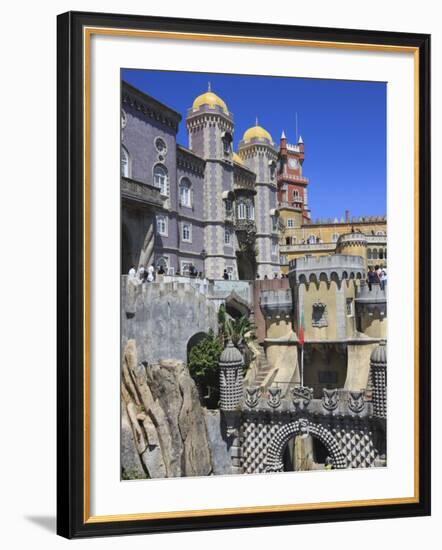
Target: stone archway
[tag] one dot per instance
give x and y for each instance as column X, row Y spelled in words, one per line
column 274, row 460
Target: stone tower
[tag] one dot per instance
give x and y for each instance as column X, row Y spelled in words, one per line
column 292, row 185
column 258, row 153
column 231, row 378
column 210, row 131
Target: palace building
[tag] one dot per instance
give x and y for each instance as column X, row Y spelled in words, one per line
column 198, row 209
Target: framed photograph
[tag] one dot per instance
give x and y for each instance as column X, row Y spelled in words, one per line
column 243, row 232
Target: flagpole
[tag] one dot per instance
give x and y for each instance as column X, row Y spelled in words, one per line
column 302, row 365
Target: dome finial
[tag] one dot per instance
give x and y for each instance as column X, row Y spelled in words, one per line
column 256, row 122
column 209, row 86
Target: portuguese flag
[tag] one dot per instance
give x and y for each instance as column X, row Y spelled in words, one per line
column 301, row 328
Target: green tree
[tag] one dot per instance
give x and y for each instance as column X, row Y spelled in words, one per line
column 203, row 367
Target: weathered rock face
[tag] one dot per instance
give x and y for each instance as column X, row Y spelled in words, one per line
column 164, row 431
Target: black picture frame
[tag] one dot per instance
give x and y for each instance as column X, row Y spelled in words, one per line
column 72, row 392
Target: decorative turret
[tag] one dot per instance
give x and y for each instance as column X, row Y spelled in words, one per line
column 259, row 155
column 378, row 366
column 231, row 378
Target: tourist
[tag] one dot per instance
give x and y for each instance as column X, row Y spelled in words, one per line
column 257, row 276
column 371, row 278
column 140, row 273
column 377, row 274
column 225, row 275
column 151, row 274
column 275, row 276
column 383, row 278
column 161, row 270
column 132, row 272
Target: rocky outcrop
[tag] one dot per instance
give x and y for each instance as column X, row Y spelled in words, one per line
column 164, row 431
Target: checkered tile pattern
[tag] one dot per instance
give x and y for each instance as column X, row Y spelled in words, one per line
column 379, row 375
column 256, row 437
column 357, row 447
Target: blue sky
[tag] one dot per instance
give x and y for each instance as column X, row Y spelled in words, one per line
column 342, row 123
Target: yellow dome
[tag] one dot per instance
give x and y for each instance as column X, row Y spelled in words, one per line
column 257, row 132
column 236, row 158
column 210, row 99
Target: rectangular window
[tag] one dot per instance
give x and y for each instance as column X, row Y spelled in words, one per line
column 162, row 225
column 290, row 223
column 274, row 249
column 187, row 232
column 327, row 377
column 349, row 303
column 227, row 236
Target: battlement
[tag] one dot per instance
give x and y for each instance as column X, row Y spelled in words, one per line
column 352, row 239
column 326, row 268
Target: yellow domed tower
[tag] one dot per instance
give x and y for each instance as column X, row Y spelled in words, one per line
column 258, row 153
column 210, row 131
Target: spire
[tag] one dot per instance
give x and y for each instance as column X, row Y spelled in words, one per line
column 283, row 135
column 256, row 122
column 300, row 140
column 209, row 86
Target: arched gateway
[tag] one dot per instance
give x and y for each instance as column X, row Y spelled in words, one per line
column 274, row 460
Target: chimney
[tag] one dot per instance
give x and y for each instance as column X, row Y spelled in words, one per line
column 347, row 216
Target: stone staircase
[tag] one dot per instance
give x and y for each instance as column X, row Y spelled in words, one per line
column 263, row 370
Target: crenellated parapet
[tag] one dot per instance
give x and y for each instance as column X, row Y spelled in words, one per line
column 336, row 268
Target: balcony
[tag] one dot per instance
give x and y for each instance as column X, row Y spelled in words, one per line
column 314, row 247
column 143, row 193
column 292, row 178
column 292, row 205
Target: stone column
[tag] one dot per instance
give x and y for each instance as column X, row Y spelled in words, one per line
column 378, row 366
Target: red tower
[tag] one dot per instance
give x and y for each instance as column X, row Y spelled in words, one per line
column 292, row 185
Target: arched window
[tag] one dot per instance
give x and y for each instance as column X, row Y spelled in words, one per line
column 186, row 232
column 250, row 211
column 380, row 233
column 296, row 196
column 163, row 262
column 185, row 193
column 227, row 236
column 311, row 239
column 162, row 228
column 242, row 211
column 126, row 168
column 161, row 179
column 335, row 237
column 294, row 240
column 369, row 254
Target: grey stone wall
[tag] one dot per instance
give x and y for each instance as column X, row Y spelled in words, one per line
column 162, row 317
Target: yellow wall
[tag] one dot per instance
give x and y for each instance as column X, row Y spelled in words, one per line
column 325, row 231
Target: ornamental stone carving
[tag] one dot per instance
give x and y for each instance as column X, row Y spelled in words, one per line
column 330, row 399
column 274, row 398
column 319, row 315
column 301, row 397
column 252, row 396
column 356, row 402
